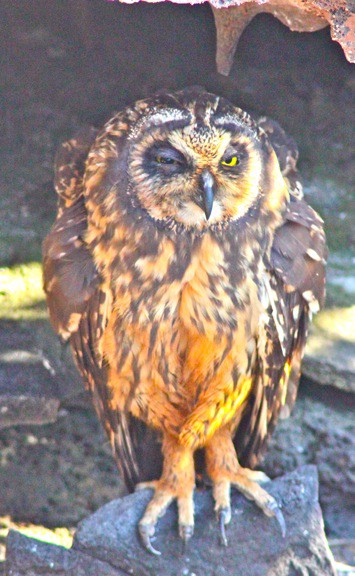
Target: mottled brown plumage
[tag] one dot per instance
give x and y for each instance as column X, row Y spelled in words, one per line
column 183, row 268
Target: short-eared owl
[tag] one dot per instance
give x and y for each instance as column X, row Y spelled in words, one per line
column 183, row 268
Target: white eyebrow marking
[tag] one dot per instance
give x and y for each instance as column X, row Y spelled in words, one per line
column 243, row 120
column 157, row 117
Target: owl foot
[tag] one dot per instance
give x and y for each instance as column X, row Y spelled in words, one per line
column 246, row 481
column 225, row 471
column 157, row 507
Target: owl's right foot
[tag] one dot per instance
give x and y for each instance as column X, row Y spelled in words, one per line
column 157, row 507
column 177, row 482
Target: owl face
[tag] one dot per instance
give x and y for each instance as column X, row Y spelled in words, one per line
column 195, row 159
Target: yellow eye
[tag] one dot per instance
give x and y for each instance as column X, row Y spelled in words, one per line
column 230, row 162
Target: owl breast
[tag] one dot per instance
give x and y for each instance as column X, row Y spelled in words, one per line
column 191, row 326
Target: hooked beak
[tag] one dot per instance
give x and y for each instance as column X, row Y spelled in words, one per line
column 207, row 186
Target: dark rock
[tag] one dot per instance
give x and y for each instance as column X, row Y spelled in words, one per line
column 56, row 474
column 26, row 410
column 34, row 380
column 320, row 431
column 256, row 546
column 29, row 557
column 329, row 369
column 298, row 15
column 106, row 543
column 329, row 357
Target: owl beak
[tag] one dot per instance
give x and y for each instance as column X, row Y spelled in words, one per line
column 208, row 192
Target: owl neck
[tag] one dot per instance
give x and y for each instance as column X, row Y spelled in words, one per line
column 226, row 225
column 138, row 240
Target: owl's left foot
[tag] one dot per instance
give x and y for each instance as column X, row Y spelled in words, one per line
column 225, row 471
column 177, row 482
column 245, row 481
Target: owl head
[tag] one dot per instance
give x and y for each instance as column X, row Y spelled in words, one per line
column 192, row 158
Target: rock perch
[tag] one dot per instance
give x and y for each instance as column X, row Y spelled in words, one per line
column 106, row 543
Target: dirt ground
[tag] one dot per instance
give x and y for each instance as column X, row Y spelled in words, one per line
column 65, row 64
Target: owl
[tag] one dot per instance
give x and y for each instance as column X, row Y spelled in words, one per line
column 183, row 268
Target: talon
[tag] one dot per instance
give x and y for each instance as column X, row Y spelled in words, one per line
column 146, row 531
column 254, row 475
column 186, row 531
column 281, row 521
column 261, row 477
column 276, row 512
column 224, row 517
column 151, row 485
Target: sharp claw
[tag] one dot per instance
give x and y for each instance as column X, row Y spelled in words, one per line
column 186, row 531
column 281, row 520
column 222, row 528
column 145, row 486
column 145, row 532
column 262, row 478
column 224, row 515
column 276, row 511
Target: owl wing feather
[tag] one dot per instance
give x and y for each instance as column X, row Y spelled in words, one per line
column 79, row 303
column 70, row 276
column 294, row 288
column 85, row 343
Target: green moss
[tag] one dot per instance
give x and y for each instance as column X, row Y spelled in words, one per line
column 21, row 292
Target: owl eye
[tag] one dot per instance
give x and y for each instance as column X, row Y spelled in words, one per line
column 166, row 160
column 166, row 157
column 230, row 161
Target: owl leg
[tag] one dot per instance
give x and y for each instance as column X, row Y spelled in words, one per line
column 177, row 481
column 224, row 470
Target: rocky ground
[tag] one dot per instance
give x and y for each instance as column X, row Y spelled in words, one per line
column 107, row 544
column 62, row 68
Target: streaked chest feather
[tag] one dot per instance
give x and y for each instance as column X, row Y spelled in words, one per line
column 200, row 284
column 183, row 311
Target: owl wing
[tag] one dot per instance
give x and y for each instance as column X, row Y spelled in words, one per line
column 70, row 276
column 287, row 154
column 80, row 304
column 293, row 288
